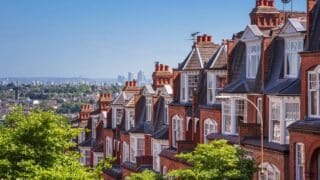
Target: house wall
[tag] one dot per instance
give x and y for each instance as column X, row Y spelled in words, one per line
column 214, row 114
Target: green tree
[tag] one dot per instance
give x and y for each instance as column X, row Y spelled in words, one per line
column 217, row 160
column 145, row 175
column 38, row 145
column 103, row 164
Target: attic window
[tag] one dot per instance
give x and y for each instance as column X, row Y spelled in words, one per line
column 253, row 59
column 292, row 58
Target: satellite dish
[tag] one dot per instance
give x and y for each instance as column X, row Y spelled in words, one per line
column 285, row 1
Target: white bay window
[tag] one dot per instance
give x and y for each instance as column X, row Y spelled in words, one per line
column 233, row 111
column 283, row 112
column 292, row 58
column 130, row 115
column 271, row 172
column 136, row 147
column 157, row 147
column 117, row 113
column 188, row 83
column 253, row 59
column 125, row 152
column 109, row 147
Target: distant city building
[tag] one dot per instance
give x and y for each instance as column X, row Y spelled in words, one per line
column 131, row 76
column 121, row 79
column 141, row 79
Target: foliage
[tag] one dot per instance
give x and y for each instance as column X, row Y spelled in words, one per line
column 217, row 160
column 69, row 108
column 37, row 146
column 103, row 164
column 145, row 175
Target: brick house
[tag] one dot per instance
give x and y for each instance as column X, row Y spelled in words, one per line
column 143, row 132
column 194, row 112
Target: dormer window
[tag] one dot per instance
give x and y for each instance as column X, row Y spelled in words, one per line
column 253, row 59
column 292, row 58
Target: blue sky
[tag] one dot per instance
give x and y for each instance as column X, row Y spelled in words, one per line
column 104, row 38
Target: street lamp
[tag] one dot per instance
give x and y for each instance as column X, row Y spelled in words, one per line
column 261, row 124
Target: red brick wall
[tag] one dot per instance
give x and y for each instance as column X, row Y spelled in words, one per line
column 147, row 146
column 308, row 61
column 171, row 164
column 125, row 172
column 107, row 177
column 212, row 114
column 281, row 161
column 312, row 146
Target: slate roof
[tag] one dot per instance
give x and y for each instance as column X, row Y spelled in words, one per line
column 315, row 28
column 115, row 171
column 307, row 125
column 256, row 141
column 237, row 74
column 219, row 59
column 123, row 98
column 87, row 143
column 276, row 83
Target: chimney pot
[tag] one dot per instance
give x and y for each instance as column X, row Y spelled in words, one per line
column 199, row 38
column 204, row 38
column 166, row 68
column 127, row 83
column 209, row 38
column 161, row 67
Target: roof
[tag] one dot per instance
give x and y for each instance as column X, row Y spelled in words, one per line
column 168, row 89
column 199, row 56
column 255, row 29
column 276, row 83
column 315, row 28
column 219, row 59
column 123, row 98
column 148, row 89
column 256, row 141
column 308, row 125
column 115, row 171
column 87, row 143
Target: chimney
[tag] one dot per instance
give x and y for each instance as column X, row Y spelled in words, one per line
column 199, row 39
column 209, row 38
column 130, row 83
column 161, row 67
column 166, row 68
column 134, row 83
column 157, row 66
column 204, row 38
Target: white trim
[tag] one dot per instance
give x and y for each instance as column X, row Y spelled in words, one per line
column 209, row 123
column 199, row 56
column 299, row 161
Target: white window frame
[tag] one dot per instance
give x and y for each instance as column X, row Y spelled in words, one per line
column 252, row 69
column 130, row 115
column 289, row 53
column 109, row 146
column 96, row 158
column 177, row 130
column 116, row 116
column 231, row 112
column 211, row 88
column 260, row 108
column 149, row 107
column 185, row 93
column 280, row 111
column 209, row 126
column 300, row 161
column 157, row 147
column 167, row 101
column 314, row 87
column 135, row 149
column 125, row 152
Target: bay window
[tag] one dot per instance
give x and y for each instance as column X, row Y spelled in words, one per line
column 260, row 108
column 211, row 90
column 157, row 147
column 313, row 93
column 136, row 147
column 300, row 161
column 177, row 130
column 292, row 58
column 129, row 122
column 117, row 114
column 210, row 126
column 283, row 112
column 166, row 110
column 233, row 111
column 253, row 59
column 188, row 83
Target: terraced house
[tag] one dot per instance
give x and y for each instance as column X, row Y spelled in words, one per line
column 258, row 90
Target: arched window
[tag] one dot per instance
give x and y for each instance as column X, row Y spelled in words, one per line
column 271, row 172
column 177, row 131
column 210, row 126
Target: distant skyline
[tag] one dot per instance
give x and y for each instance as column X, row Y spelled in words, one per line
column 107, row 38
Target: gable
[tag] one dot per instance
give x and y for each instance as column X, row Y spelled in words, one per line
column 288, row 29
column 194, row 61
column 252, row 32
column 220, row 60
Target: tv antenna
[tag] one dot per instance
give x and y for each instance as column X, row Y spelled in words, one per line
column 193, row 36
column 284, row 2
